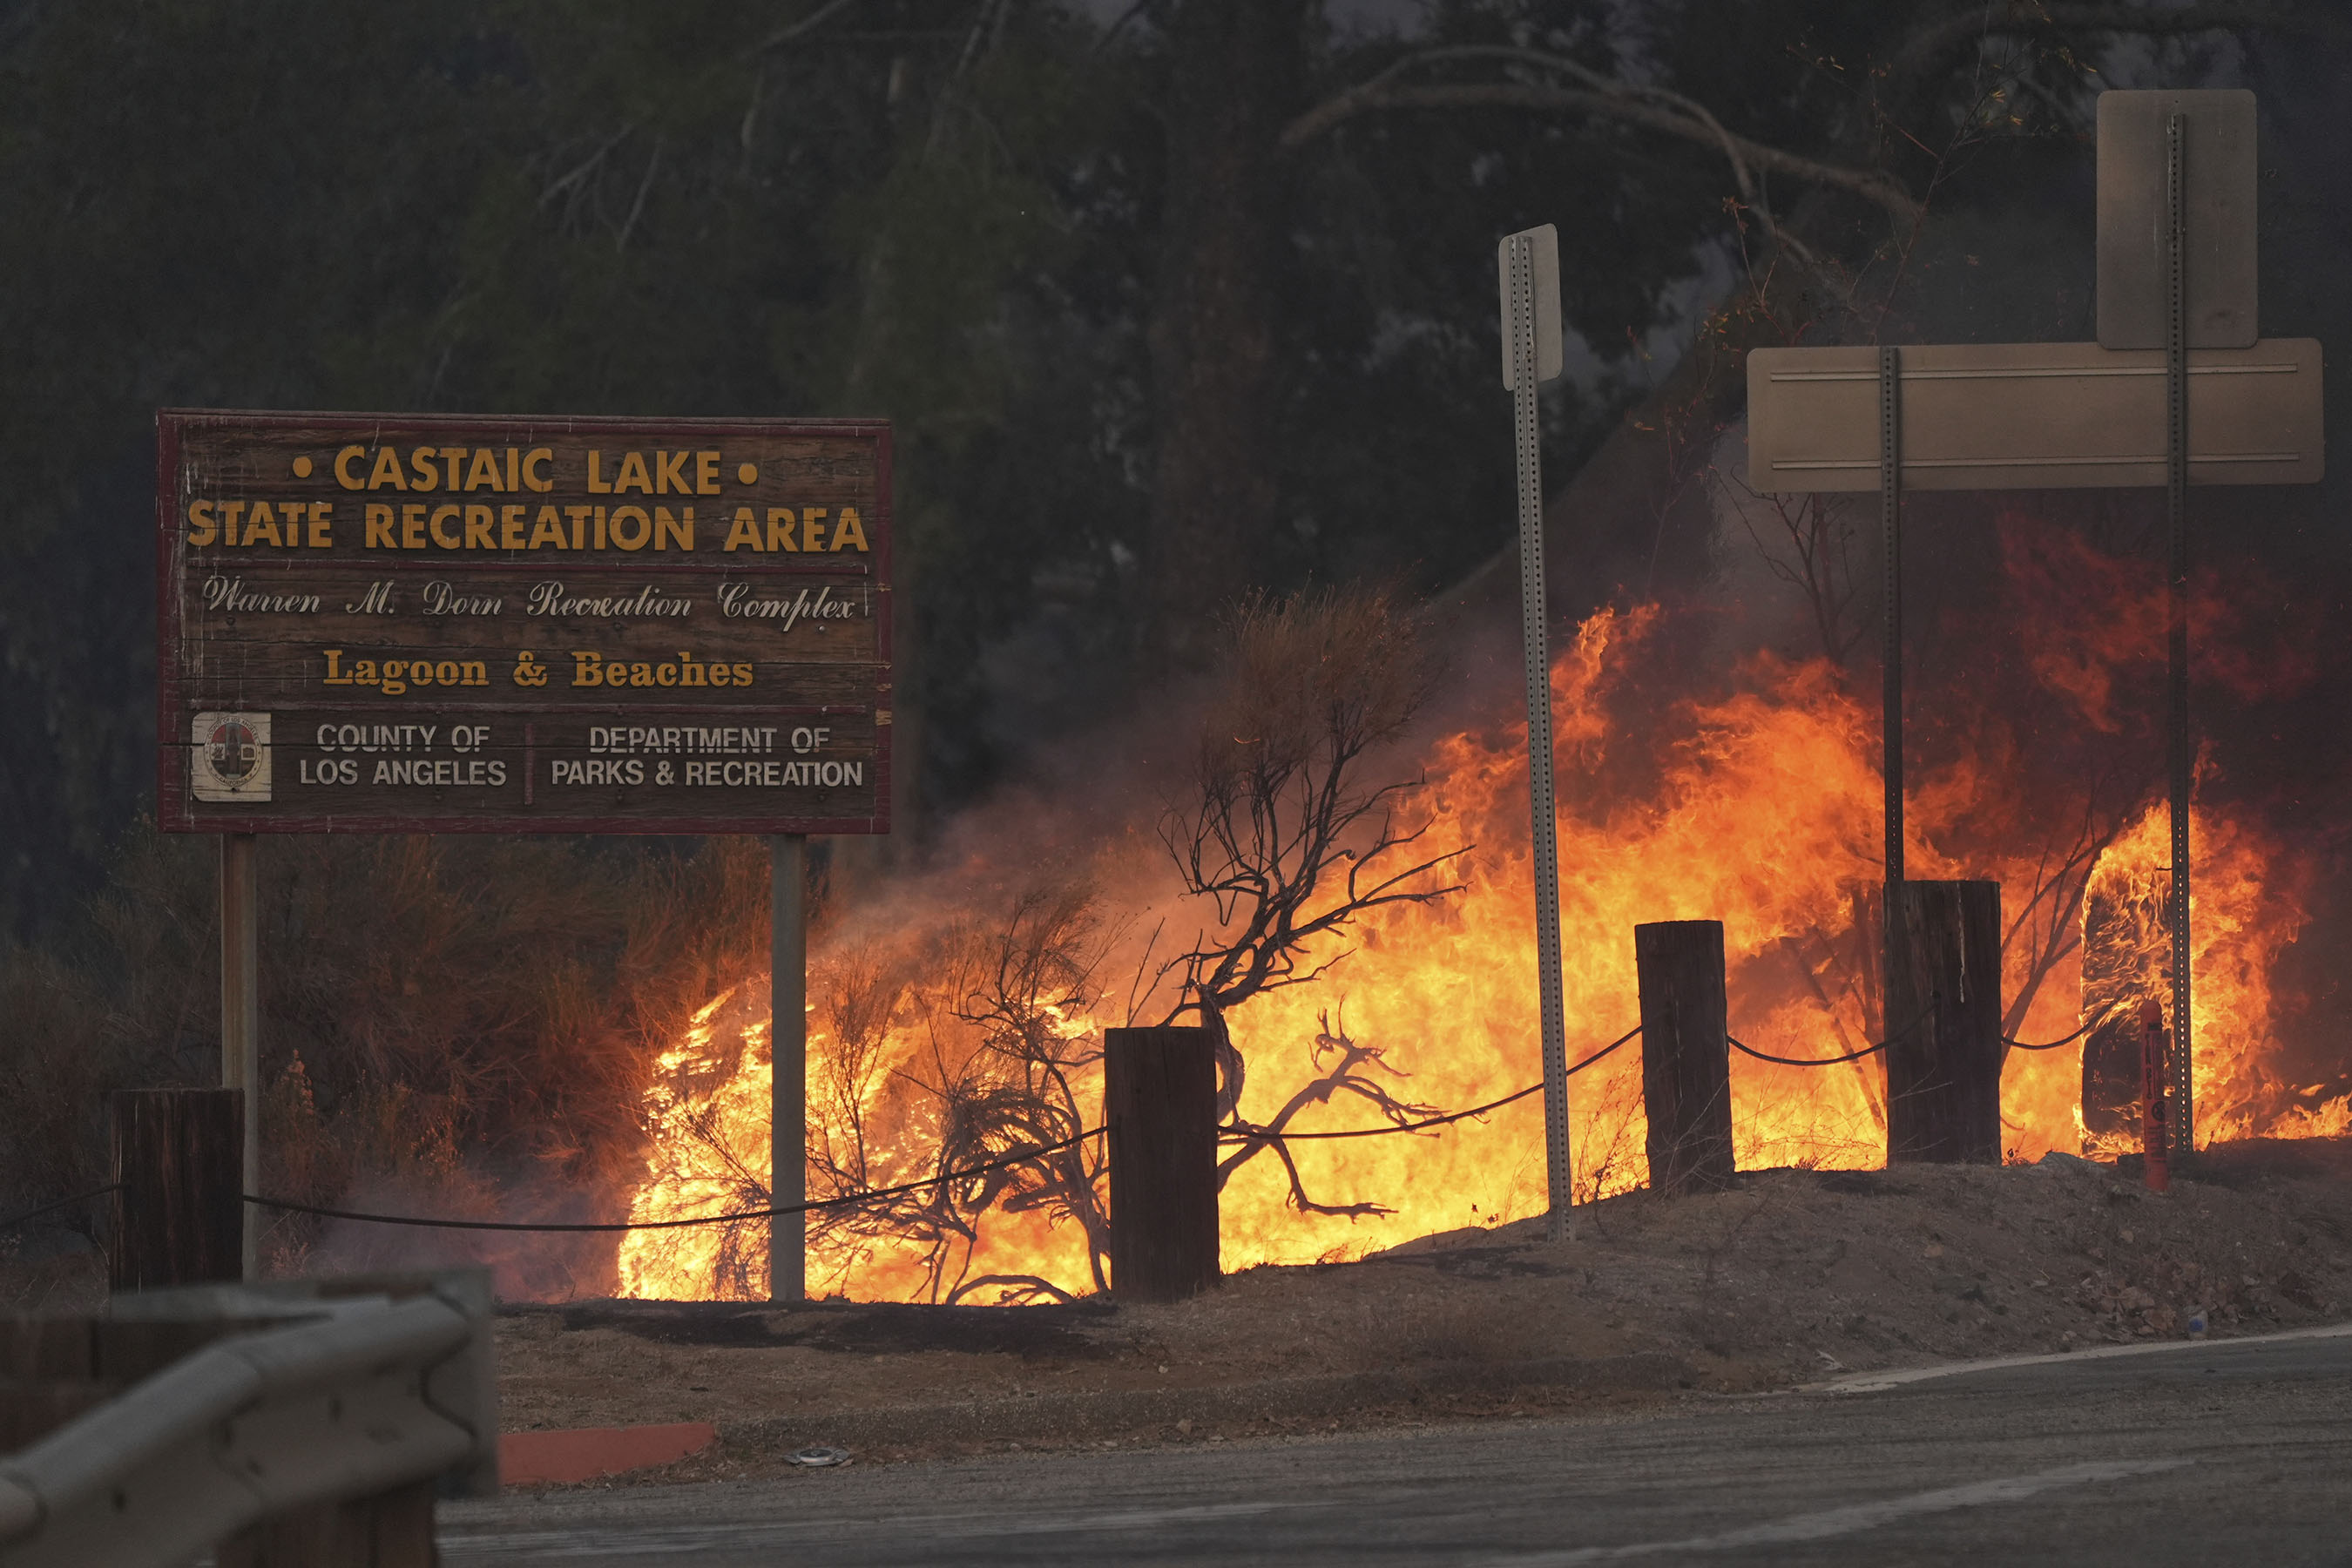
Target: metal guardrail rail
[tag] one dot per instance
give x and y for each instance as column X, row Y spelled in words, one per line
column 356, row 1395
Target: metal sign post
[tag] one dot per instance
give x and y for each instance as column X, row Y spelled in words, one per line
column 2181, row 750
column 1890, row 523
column 1532, row 353
column 240, row 933
column 788, row 1056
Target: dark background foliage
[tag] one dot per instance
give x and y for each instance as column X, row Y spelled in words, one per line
column 1139, row 354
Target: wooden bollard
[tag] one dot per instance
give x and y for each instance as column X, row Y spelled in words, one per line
column 1159, row 1103
column 1685, row 1055
column 179, row 1162
column 1943, row 1017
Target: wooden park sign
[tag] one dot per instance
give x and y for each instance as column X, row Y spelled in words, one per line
column 423, row 622
column 447, row 624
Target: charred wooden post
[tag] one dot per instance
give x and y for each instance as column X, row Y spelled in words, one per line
column 1685, row 1053
column 179, row 1210
column 1943, row 1019
column 1159, row 1104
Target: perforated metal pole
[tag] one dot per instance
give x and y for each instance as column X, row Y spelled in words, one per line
column 1890, row 524
column 1535, row 636
column 240, row 930
column 788, row 1045
column 2180, row 747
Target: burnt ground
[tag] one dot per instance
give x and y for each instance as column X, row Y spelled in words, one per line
column 1792, row 1277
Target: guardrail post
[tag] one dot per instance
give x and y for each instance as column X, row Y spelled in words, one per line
column 392, row 1529
column 179, row 1212
column 1159, row 1105
column 1685, row 1053
column 1943, row 1017
column 299, row 1423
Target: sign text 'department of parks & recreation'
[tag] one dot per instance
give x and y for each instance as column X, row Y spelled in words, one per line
column 450, row 623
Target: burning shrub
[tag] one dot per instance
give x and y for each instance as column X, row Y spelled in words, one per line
column 1291, row 845
column 950, row 1050
column 1696, row 786
column 937, row 1052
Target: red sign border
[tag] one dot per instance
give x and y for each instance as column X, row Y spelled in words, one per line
column 174, row 810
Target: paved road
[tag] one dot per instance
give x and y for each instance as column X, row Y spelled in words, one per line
column 2224, row 1453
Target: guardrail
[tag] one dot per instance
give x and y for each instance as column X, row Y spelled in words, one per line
column 322, row 1420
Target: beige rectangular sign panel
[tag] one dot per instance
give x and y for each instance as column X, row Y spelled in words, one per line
column 2032, row 417
column 2217, row 210
column 1551, row 350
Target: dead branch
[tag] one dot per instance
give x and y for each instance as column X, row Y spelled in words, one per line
column 1007, row 1037
column 1933, row 44
column 1279, row 835
column 571, row 181
column 2048, row 923
column 1820, row 563
column 808, row 23
column 637, row 207
column 1304, row 1204
column 1656, row 108
column 1340, row 1075
column 1017, row 1290
column 1287, row 844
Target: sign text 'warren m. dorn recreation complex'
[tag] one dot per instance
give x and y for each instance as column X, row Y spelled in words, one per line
column 414, row 623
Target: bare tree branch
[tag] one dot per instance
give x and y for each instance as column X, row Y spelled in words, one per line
column 1341, row 1075
column 1934, row 43
column 1654, row 108
column 2049, row 924
column 637, row 207
column 1017, row 1290
column 808, row 23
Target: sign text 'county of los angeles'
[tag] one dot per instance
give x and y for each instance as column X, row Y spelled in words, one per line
column 448, row 624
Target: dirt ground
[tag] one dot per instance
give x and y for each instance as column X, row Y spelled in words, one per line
column 1791, row 1278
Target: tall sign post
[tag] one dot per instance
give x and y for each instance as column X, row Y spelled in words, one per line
column 240, row 924
column 787, row 1049
column 1890, row 549
column 447, row 624
column 1533, row 354
column 2180, row 745
column 2179, row 356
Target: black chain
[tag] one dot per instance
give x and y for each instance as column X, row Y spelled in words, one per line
column 1869, row 1050
column 61, row 1202
column 841, row 1202
column 2070, row 1039
column 1245, row 1134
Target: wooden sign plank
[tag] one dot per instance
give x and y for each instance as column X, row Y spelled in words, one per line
column 448, row 624
column 2032, row 417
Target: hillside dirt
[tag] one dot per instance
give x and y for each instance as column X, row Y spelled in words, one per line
column 1793, row 1277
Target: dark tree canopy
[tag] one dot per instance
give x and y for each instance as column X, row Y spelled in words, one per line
column 1149, row 344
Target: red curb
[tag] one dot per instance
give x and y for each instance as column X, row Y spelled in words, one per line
column 577, row 1454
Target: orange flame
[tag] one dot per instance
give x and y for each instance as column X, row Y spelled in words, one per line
column 1758, row 806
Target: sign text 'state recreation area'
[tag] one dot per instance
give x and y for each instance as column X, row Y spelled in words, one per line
column 442, row 624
